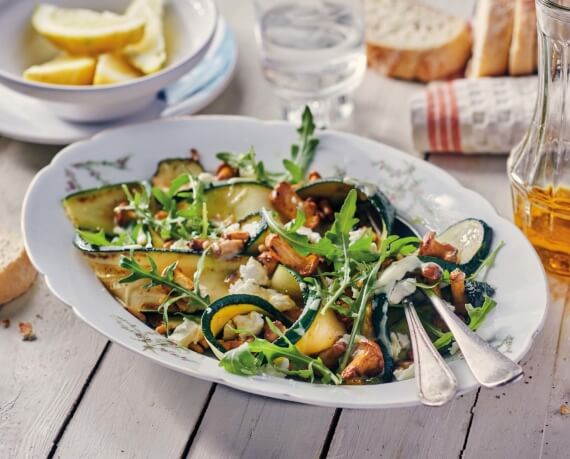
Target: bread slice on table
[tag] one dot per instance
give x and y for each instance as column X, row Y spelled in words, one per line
column 493, row 29
column 523, row 52
column 409, row 40
column 16, row 271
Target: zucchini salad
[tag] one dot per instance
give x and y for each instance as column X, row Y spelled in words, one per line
column 285, row 273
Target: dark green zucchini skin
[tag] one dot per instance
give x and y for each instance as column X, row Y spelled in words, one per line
column 336, row 189
column 92, row 209
column 233, row 300
column 382, row 335
column 252, row 245
column 169, row 169
column 472, row 265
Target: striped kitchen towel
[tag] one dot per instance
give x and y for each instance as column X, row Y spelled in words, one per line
column 486, row 115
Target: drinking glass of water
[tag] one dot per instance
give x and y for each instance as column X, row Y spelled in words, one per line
column 312, row 53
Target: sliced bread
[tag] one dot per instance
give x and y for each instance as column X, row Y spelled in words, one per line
column 16, row 271
column 522, row 54
column 409, row 40
column 493, row 29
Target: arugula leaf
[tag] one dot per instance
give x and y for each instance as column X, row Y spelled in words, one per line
column 304, row 153
column 243, row 361
column 487, row 262
column 298, row 241
column 476, row 319
column 99, row 238
column 138, row 272
column 295, row 168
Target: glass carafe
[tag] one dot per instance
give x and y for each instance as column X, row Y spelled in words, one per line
column 539, row 167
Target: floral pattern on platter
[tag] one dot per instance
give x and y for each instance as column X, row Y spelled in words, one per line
column 152, row 341
column 95, row 171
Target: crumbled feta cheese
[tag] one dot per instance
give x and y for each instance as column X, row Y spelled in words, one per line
column 252, row 228
column 231, row 228
column 249, row 287
column 228, row 332
column 141, row 238
column 255, row 271
column 401, row 290
column 179, row 244
column 401, row 374
column 282, row 363
column 118, row 230
column 454, row 348
column 357, row 234
column 252, row 323
column 188, row 332
column 206, row 177
column 312, row 236
column 400, row 344
column 246, row 325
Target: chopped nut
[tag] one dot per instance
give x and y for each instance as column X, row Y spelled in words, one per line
column 269, row 260
column 564, row 410
column 327, row 211
column 306, row 266
column 293, row 314
column 183, row 279
column 161, row 215
column 225, row 172
column 237, row 236
column 196, row 348
column 268, row 334
column 314, row 175
column 204, row 343
column 194, row 154
column 198, row 244
column 122, row 215
column 27, row 331
column 367, row 361
column 161, row 329
column 5, row 323
column 331, row 355
column 227, row 248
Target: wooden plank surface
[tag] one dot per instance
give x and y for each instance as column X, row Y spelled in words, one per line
column 243, row 425
column 418, row 432
column 134, row 408
column 39, row 380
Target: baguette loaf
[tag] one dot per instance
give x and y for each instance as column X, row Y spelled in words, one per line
column 16, row 271
column 522, row 55
column 492, row 38
column 409, row 40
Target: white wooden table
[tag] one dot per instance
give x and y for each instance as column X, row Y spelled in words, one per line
column 73, row 394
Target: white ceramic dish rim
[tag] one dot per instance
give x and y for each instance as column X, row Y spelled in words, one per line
column 109, row 89
column 401, row 393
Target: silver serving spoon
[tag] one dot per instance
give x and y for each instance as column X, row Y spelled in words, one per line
column 489, row 366
column 435, row 381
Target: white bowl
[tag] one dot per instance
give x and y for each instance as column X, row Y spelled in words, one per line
column 189, row 26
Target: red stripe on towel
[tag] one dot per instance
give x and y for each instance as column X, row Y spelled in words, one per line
column 454, row 116
column 431, row 127
column 442, row 117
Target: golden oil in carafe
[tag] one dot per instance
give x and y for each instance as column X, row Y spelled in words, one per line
column 543, row 214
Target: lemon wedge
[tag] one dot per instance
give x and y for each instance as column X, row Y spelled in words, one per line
column 148, row 55
column 63, row 70
column 81, row 31
column 113, row 68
